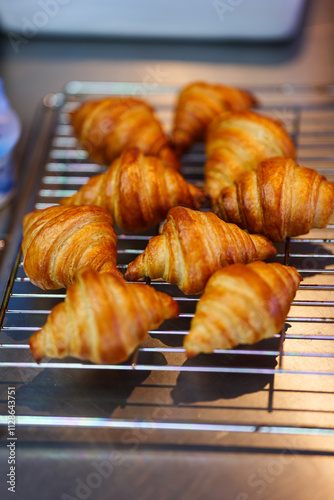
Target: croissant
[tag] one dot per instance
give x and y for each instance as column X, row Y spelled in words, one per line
column 237, row 142
column 106, row 127
column 57, row 241
column 102, row 319
column 138, row 191
column 197, row 104
column 192, row 246
column 279, row 199
column 242, row 304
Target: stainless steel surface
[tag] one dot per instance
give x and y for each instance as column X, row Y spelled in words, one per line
column 273, row 399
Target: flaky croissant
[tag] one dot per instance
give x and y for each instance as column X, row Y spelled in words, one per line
column 103, row 319
column 57, row 241
column 197, row 105
column 242, row 304
column 237, row 142
column 138, row 191
column 278, row 199
column 193, row 246
column 106, row 127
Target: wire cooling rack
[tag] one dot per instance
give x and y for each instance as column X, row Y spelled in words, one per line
column 283, row 385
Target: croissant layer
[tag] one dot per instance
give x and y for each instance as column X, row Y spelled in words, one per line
column 58, row 241
column 107, row 127
column 197, row 105
column 237, row 142
column 103, row 319
column 279, row 199
column 192, row 246
column 138, row 191
column 242, row 304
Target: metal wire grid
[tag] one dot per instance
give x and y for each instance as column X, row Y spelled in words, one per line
column 306, row 345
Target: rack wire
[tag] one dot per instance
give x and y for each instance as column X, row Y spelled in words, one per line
column 275, row 384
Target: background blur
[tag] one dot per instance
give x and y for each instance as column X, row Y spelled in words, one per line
column 46, row 43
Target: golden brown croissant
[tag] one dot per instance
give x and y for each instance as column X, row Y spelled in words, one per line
column 242, row 304
column 193, row 246
column 57, row 241
column 138, row 191
column 278, row 199
column 103, row 319
column 237, row 142
column 106, row 127
column 198, row 103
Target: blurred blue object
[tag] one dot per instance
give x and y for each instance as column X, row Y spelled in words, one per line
column 186, row 19
column 10, row 129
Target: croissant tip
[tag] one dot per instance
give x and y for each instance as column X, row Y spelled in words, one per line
column 170, row 306
column 190, row 354
column 64, row 201
column 34, row 350
column 199, row 198
column 175, row 310
column 190, row 348
column 132, row 275
column 127, row 275
column 254, row 101
column 178, row 147
column 111, row 268
column 169, row 157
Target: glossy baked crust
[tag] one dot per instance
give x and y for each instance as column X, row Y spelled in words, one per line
column 192, row 246
column 106, row 127
column 138, row 191
column 237, row 142
column 197, row 105
column 278, row 199
column 242, row 304
column 103, row 319
column 58, row 241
